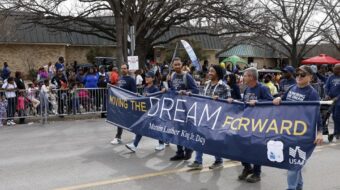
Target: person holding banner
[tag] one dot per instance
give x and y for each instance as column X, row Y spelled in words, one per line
column 253, row 93
column 214, row 88
column 128, row 83
column 302, row 91
column 149, row 89
column 185, row 84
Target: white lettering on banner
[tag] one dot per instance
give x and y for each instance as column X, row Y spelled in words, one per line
column 179, row 110
column 152, row 105
column 166, row 109
column 193, row 107
column 206, row 112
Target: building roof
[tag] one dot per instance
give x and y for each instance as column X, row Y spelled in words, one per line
column 328, row 49
column 207, row 41
column 246, row 50
column 15, row 31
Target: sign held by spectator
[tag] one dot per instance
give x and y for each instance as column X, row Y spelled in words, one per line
column 133, row 62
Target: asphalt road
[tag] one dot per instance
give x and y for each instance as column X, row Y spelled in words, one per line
column 72, row 155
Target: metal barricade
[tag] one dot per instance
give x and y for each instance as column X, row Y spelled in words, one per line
column 17, row 106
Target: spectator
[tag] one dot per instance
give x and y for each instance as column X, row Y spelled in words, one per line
column 42, row 74
column 19, row 81
column 3, row 108
column 128, row 83
column 102, row 84
column 6, row 72
column 60, row 82
column 253, row 93
column 10, row 88
column 268, row 83
column 21, row 107
column 51, row 70
column 80, row 76
column 60, row 64
column 139, row 81
column 102, row 72
column 114, row 76
column 91, row 82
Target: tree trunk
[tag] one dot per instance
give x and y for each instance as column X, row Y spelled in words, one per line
column 142, row 49
column 119, row 40
column 294, row 57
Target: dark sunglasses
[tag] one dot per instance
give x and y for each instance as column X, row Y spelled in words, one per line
column 302, row 75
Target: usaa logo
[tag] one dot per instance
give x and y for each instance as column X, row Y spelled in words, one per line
column 298, row 157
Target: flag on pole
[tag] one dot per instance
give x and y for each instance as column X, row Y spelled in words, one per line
column 192, row 55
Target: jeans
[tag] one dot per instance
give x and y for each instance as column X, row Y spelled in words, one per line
column 336, row 117
column 119, row 132
column 199, row 158
column 139, row 137
column 294, row 179
column 256, row 168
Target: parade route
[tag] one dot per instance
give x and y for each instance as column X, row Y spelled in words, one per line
column 77, row 155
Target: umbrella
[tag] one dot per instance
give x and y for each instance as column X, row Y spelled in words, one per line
column 321, row 59
column 234, row 60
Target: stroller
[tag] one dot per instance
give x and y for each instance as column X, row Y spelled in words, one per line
column 326, row 111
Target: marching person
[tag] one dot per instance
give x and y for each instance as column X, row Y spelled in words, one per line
column 128, row 83
column 332, row 88
column 253, row 93
column 302, row 91
column 149, row 88
column 288, row 79
column 216, row 89
column 183, row 83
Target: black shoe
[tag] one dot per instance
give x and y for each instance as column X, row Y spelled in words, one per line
column 330, row 137
column 254, row 178
column 177, row 158
column 187, row 156
column 245, row 174
column 337, row 136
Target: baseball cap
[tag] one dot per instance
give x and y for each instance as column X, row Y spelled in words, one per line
column 305, row 68
column 149, row 74
column 289, row 69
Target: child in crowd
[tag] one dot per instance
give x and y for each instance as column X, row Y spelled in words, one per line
column 21, row 107
column 3, row 109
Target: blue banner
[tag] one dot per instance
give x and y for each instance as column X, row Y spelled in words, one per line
column 278, row 136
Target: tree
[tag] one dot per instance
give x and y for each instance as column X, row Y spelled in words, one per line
column 333, row 33
column 110, row 19
column 292, row 28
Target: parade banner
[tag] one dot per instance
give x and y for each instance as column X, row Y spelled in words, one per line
column 265, row 134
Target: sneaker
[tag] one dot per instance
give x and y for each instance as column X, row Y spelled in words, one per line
column 195, row 166
column 245, row 174
column 160, row 147
column 254, row 178
column 216, row 165
column 177, row 158
column 131, row 147
column 12, row 122
column 116, row 141
column 9, row 123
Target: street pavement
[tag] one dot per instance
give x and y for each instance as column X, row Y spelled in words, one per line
column 74, row 155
